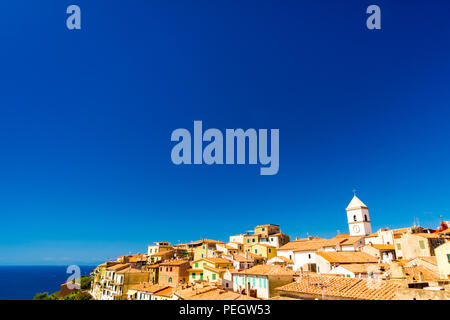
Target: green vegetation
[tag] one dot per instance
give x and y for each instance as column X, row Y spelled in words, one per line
column 85, row 282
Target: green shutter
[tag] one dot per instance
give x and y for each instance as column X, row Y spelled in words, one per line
column 448, row 257
column 399, row 247
column 421, row 244
column 196, row 264
column 260, row 283
column 214, row 276
column 193, row 275
column 265, row 283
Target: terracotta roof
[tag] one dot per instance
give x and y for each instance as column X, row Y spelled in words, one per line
column 351, row 241
column 118, row 266
column 384, row 246
column 266, row 225
column 401, row 230
column 173, row 263
column 217, row 260
column 266, row 269
column 420, row 272
column 372, row 235
column 167, row 292
column 304, row 245
column 343, row 235
column 239, row 258
column 131, row 270
column 338, row 286
column 255, row 256
column 162, row 253
column 347, row 257
column 219, row 294
column 431, row 260
column 427, row 235
column 205, row 241
column 147, row 287
column 277, row 234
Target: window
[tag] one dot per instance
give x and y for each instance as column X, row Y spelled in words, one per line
column 270, row 250
column 256, row 250
column 202, row 255
column 203, row 247
column 421, row 244
column 260, row 282
column 399, row 247
column 263, row 229
column 448, row 257
column 354, row 217
column 265, row 283
column 309, row 255
column 248, row 240
column 170, row 280
column 214, row 276
column 170, row 269
column 254, row 281
column 253, row 240
column 196, row 264
column 243, row 281
column 365, row 217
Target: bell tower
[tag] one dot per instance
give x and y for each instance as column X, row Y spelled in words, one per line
column 358, row 218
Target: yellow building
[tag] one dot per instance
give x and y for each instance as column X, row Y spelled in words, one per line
column 264, row 250
column 249, row 240
column 443, row 260
column 205, row 248
column 266, row 229
column 209, row 269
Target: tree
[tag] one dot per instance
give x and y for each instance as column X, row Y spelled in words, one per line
column 42, row 296
column 85, row 282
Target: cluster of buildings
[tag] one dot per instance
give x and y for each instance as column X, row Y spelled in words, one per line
column 407, row 263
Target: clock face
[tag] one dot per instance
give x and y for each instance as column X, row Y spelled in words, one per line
column 356, row 228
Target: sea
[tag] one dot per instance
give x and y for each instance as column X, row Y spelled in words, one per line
column 23, row 282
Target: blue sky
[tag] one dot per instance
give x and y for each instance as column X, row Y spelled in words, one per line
column 86, row 118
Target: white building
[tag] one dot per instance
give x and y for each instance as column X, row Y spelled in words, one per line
column 358, row 218
column 238, row 238
column 302, row 252
column 261, row 280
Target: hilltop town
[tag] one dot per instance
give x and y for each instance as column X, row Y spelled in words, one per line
column 389, row 264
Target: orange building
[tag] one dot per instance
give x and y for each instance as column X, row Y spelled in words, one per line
column 173, row 273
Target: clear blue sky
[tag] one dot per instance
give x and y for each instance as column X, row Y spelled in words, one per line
column 86, row 118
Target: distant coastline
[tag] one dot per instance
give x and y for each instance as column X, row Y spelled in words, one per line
column 20, row 282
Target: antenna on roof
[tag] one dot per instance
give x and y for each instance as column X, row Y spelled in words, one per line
column 354, row 191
